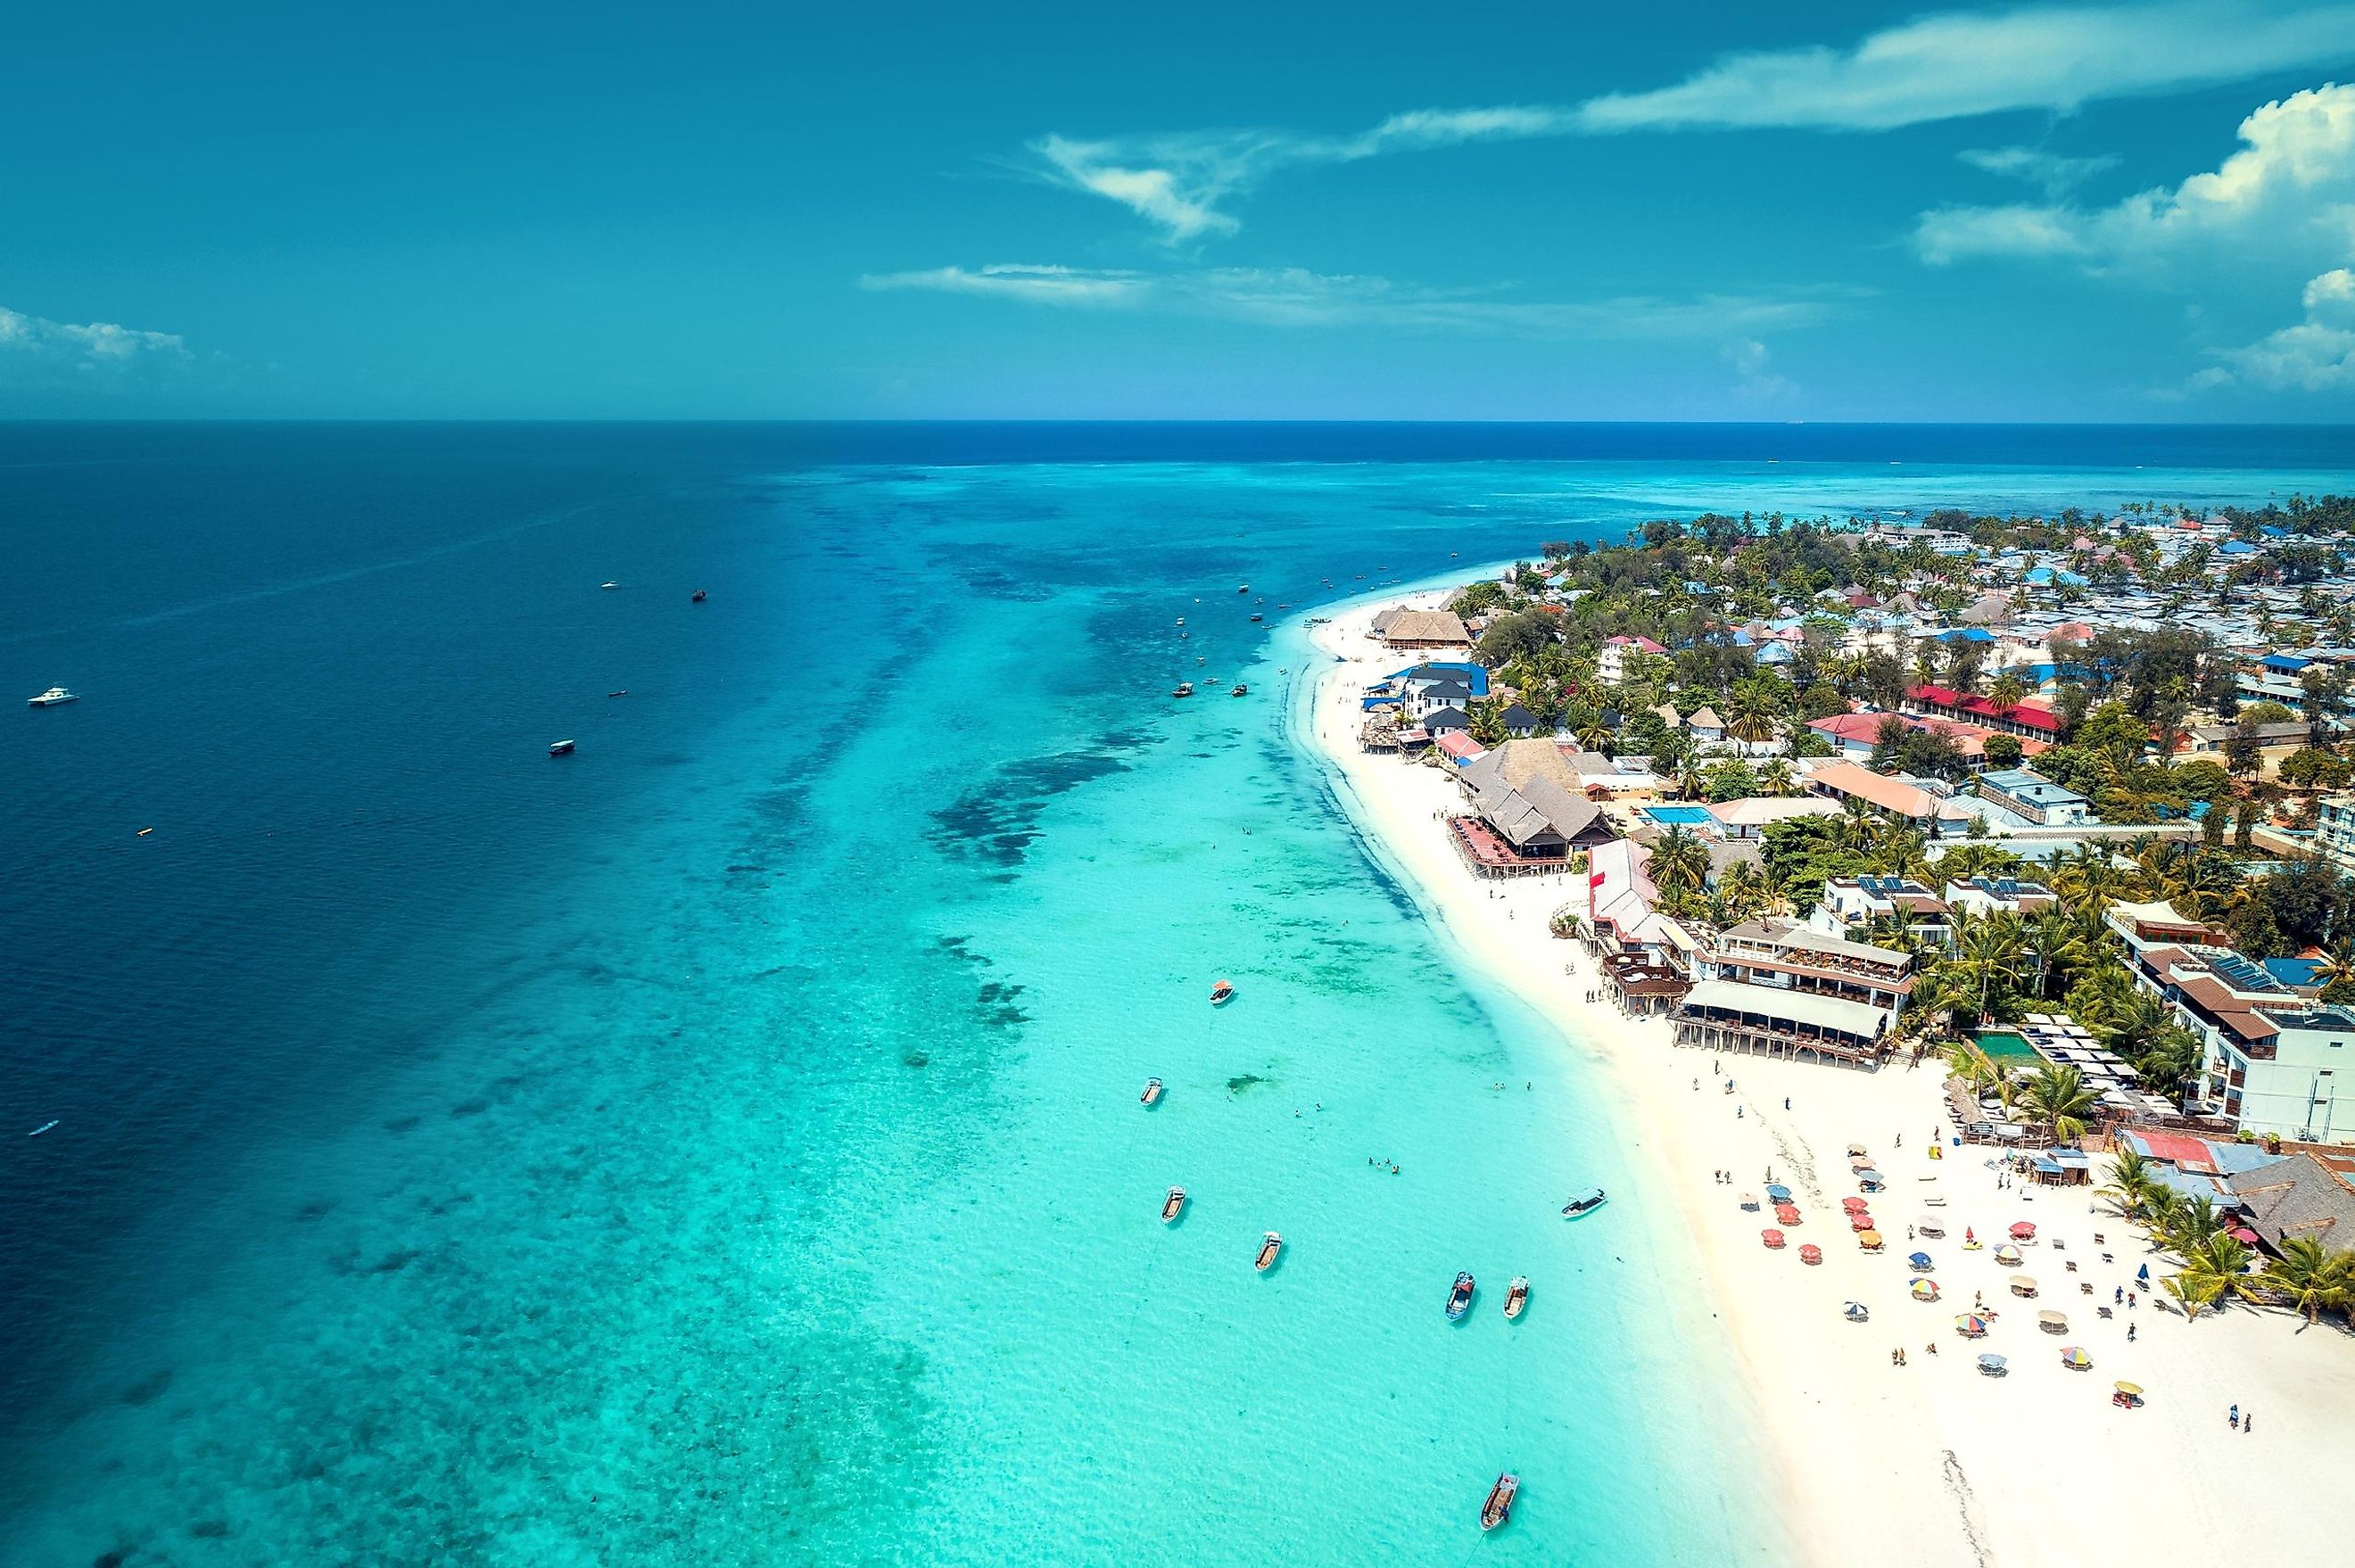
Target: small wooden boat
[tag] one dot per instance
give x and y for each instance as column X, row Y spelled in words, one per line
column 1185, row 689
column 1459, row 1298
column 1499, row 1505
column 1240, row 690
column 144, row 831
column 1516, row 1296
column 560, row 747
column 1270, row 1244
column 1173, row 1205
column 697, row 597
column 1221, row 990
column 1585, row 1203
column 1151, row 1095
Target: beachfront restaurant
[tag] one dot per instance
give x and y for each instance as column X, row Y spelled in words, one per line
column 1724, row 1015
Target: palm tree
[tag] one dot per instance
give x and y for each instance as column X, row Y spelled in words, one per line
column 1745, row 890
column 2133, row 1178
column 1776, row 780
column 1858, row 829
column 1963, row 861
column 1751, row 712
column 2058, row 1098
column 2312, row 1277
column 1678, row 862
column 1689, row 780
column 2006, row 692
column 2212, row 1269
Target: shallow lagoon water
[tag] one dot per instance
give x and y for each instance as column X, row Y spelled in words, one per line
column 722, row 1145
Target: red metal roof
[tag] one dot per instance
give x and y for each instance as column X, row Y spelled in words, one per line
column 2031, row 714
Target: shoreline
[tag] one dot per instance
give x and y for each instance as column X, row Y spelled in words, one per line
column 1962, row 1468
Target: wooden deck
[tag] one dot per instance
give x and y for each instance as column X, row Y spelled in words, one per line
column 1490, row 855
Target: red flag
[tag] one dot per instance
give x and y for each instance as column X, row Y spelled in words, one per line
column 1594, row 881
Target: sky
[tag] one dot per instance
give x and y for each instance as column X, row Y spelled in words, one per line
column 1674, row 212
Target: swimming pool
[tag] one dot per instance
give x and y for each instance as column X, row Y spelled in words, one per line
column 1680, row 816
column 2003, row 1047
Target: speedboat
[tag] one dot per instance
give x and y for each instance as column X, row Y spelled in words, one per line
column 1240, row 690
column 624, row 692
column 697, row 597
column 1151, row 1095
column 1499, row 1505
column 609, row 585
column 560, row 747
column 1221, row 991
column 1258, row 617
column 1516, row 1296
column 56, row 696
column 1173, row 1205
column 1185, row 689
column 1244, row 588
column 1585, row 1203
column 1459, row 1298
column 1270, row 1244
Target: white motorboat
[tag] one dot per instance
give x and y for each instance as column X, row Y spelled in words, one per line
column 56, row 696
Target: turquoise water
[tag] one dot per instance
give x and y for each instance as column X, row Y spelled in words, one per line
column 2001, row 1046
column 722, row 1145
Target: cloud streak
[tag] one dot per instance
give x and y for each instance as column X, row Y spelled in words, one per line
column 93, row 346
column 1295, row 297
column 2054, row 59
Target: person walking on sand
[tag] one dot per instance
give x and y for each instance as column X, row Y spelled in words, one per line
column 2130, row 1332
column 2248, row 1422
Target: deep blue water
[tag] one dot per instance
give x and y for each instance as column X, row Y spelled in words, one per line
column 721, row 1144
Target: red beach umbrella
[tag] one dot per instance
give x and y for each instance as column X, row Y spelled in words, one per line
column 1854, row 1205
column 1811, row 1254
column 2023, row 1231
column 1859, row 1220
column 1772, row 1238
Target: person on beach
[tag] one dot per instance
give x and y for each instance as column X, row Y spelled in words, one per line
column 2247, row 1424
column 2130, row 1332
column 2233, row 1420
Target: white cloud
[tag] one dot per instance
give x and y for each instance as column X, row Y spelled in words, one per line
column 2289, row 191
column 2318, row 355
column 1295, row 297
column 2051, row 59
column 98, row 345
column 2055, row 59
column 1752, row 381
column 2056, row 174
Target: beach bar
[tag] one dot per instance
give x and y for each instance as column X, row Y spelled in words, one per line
column 1721, row 1015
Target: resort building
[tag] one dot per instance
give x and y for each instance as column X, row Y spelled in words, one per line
column 1933, row 814
column 1424, row 686
column 2026, row 793
column 1750, row 818
column 1528, row 811
column 2028, row 719
column 1440, row 720
column 1850, row 903
column 1998, row 895
column 2334, row 830
column 2299, row 1197
column 2276, row 1061
column 1776, row 986
column 1423, row 629
column 1611, row 662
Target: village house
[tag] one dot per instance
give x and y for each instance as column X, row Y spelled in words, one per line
column 1611, row 662
column 1934, row 815
column 2025, row 793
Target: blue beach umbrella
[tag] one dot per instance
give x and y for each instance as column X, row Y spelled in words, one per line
column 1920, row 1260
column 2142, row 1275
column 1779, row 1193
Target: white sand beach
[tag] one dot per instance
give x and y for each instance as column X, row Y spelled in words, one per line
column 1930, row 1462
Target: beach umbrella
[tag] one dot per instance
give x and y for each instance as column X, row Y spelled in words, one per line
column 2053, row 1322
column 1778, row 1192
column 1971, row 1326
column 1925, row 1290
column 1868, row 1240
column 1869, row 1173
column 2007, row 1255
column 2131, row 1390
column 1970, row 1237
column 2142, row 1275
column 1994, row 1366
column 1772, row 1238
column 2075, row 1360
column 1786, row 1214
column 1920, row 1260
column 1856, row 1151
column 2022, row 1286
column 1859, row 1220
column 1811, row 1254
column 2023, row 1231
column 1854, row 1205
column 1854, row 1312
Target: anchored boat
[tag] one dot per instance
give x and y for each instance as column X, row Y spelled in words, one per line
column 56, row 696
column 1270, row 1244
column 1185, row 689
column 1173, row 1205
column 1516, row 1296
column 560, row 747
column 1459, row 1298
column 1585, row 1203
column 1151, row 1095
column 1221, row 990
column 1499, row 1505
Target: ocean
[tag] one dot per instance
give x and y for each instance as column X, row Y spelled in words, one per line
column 722, row 1145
